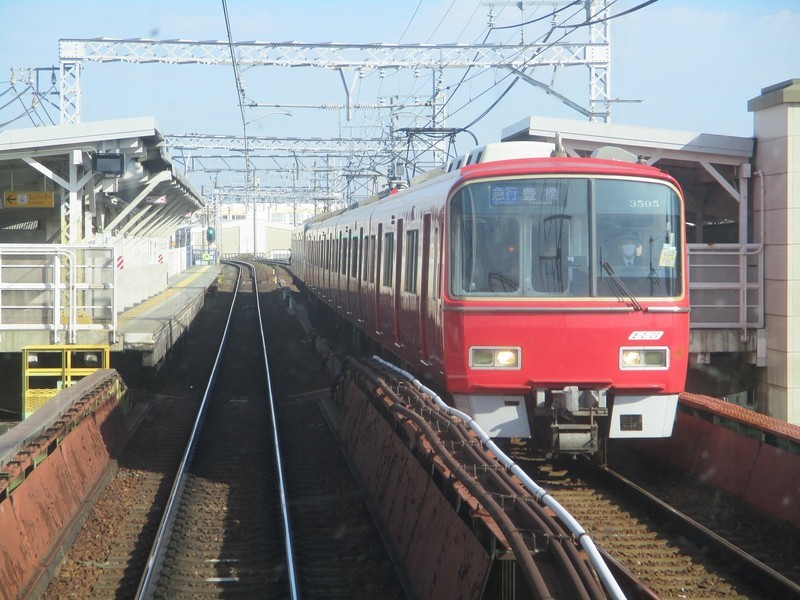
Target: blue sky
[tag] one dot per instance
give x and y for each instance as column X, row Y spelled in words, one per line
column 694, row 64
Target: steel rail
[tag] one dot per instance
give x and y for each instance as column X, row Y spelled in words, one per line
column 155, row 559
column 764, row 575
column 287, row 530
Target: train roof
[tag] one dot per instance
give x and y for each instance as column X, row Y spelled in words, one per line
column 501, row 151
column 564, row 165
column 509, row 158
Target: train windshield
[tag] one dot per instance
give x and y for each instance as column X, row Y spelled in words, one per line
column 566, row 236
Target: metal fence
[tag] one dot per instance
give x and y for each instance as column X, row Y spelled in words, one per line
column 726, row 285
column 60, row 290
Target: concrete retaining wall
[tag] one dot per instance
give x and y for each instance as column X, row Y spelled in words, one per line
column 443, row 557
column 759, row 473
column 40, row 513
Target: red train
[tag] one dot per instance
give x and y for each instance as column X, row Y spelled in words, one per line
column 545, row 296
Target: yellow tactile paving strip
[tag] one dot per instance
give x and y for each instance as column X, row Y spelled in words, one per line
column 159, row 299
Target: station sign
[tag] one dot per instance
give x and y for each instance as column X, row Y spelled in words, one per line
column 28, row 199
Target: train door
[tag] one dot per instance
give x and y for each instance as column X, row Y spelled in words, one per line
column 435, row 335
column 424, row 285
column 352, row 278
column 329, row 268
column 387, row 281
column 378, row 279
column 326, row 267
column 398, row 273
column 341, row 280
column 360, row 271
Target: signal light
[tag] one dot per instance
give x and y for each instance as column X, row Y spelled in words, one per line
column 211, row 234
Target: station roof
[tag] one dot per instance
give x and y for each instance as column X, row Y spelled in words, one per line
column 708, row 166
column 668, row 144
column 41, row 159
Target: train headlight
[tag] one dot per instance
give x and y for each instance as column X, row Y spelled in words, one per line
column 643, row 358
column 494, row 358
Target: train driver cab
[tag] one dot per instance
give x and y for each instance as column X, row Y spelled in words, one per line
column 565, row 237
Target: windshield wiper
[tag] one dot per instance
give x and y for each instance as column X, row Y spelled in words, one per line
column 621, row 286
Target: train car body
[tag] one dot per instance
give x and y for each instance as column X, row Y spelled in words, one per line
column 506, row 286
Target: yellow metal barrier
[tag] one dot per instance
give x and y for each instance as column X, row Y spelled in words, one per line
column 48, row 369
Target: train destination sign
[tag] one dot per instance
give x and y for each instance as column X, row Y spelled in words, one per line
column 28, row 199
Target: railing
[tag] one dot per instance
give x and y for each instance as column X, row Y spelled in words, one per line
column 726, row 286
column 58, row 289
column 281, row 255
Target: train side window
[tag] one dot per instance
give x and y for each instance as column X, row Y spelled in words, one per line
column 354, row 257
column 412, row 248
column 365, row 257
column 372, row 258
column 388, row 259
column 343, row 256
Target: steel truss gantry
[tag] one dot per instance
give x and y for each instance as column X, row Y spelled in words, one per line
column 395, row 153
column 595, row 54
column 275, row 194
column 345, row 160
column 293, row 145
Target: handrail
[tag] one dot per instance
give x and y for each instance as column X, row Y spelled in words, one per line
column 733, row 282
column 56, row 258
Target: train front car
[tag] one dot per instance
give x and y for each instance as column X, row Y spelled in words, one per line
column 567, row 312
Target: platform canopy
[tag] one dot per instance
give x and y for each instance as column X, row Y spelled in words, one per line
column 712, row 169
column 75, row 184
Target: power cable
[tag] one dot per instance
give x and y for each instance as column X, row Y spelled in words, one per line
column 444, row 16
column 411, row 20
column 572, row 29
column 239, row 90
column 537, row 19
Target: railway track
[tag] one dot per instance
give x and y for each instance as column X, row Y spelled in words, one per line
column 339, row 553
column 226, row 534
column 554, row 556
column 219, row 528
column 652, row 548
column 679, row 552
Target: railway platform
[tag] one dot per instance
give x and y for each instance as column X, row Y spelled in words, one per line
column 154, row 326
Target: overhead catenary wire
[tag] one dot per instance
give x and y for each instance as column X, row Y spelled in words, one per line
column 571, row 29
column 508, row 89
